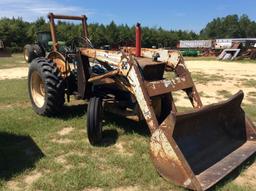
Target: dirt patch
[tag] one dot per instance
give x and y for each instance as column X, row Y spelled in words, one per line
column 29, row 179
column 230, row 69
column 93, row 189
column 13, row 185
column 247, row 178
column 229, row 78
column 121, row 149
column 13, row 73
column 22, row 105
column 61, row 159
column 127, row 188
column 65, row 131
column 62, row 141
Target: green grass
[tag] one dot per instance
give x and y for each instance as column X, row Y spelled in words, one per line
column 250, row 111
column 224, row 93
column 249, row 83
column 202, row 78
column 29, row 144
column 200, row 58
column 242, row 61
column 16, row 60
column 199, row 77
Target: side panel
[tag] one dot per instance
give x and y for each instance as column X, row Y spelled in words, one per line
column 83, row 75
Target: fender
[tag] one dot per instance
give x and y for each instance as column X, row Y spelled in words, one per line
column 60, row 61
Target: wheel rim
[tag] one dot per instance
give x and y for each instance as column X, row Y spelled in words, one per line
column 26, row 54
column 37, row 89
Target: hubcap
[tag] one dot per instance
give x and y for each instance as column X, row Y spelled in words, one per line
column 26, row 54
column 37, row 89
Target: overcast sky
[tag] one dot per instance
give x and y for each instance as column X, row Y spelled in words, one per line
column 169, row 14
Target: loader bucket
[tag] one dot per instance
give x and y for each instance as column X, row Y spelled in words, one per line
column 204, row 145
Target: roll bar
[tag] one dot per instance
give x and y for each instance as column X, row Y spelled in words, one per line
column 51, row 17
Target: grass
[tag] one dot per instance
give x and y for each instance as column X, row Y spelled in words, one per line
column 250, row 110
column 224, row 93
column 199, row 77
column 242, row 61
column 16, row 60
column 202, row 78
column 249, row 83
column 29, row 144
column 200, row 58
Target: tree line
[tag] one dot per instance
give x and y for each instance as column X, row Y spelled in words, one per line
column 16, row 33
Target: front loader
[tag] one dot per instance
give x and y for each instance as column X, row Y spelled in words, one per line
column 194, row 149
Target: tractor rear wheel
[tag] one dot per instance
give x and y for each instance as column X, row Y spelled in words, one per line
column 32, row 51
column 94, row 120
column 28, row 53
column 46, row 87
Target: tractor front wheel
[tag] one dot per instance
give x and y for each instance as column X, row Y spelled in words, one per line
column 94, row 120
column 46, row 87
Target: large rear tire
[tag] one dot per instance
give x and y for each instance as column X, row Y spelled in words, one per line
column 28, row 53
column 46, row 87
column 32, row 51
column 94, row 120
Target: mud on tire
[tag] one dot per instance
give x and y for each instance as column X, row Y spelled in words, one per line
column 46, row 87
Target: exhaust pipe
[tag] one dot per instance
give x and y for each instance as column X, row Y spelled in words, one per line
column 138, row 40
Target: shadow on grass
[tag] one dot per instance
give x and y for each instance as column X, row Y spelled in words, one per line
column 17, row 153
column 109, row 137
column 71, row 111
column 128, row 125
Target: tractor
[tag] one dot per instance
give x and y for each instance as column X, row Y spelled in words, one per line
column 41, row 47
column 194, row 149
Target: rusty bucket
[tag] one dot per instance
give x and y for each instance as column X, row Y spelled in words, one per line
column 204, row 145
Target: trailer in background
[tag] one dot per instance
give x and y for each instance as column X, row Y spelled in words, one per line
column 196, row 47
column 195, row 44
column 228, row 43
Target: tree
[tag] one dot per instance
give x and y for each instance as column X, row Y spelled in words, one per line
column 231, row 26
column 16, row 32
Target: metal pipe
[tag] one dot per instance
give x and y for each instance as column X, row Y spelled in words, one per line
column 66, row 17
column 84, row 25
column 53, row 31
column 138, row 40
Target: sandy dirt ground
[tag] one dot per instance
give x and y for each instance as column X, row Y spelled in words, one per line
column 228, row 76
column 13, row 73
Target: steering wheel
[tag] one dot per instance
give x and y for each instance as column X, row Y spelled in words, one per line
column 78, row 42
